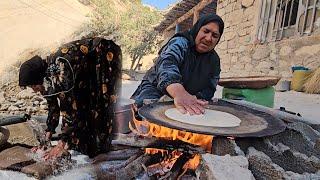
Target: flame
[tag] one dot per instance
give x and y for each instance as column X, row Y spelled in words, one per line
column 146, row 128
column 193, row 163
column 165, row 165
column 156, row 151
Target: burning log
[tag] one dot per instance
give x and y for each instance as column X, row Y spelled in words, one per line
column 178, row 158
column 176, row 170
column 151, row 142
column 173, row 166
column 162, row 167
column 177, row 145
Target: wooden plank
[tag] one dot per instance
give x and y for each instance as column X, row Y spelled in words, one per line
column 273, row 19
column 313, row 16
column 190, row 13
column 301, row 10
column 278, row 20
column 263, row 9
column 283, row 19
column 289, row 21
column 195, row 16
column 268, row 19
column 305, row 17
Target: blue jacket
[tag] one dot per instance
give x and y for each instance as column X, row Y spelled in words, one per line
column 178, row 62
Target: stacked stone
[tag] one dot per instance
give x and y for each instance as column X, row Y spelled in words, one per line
column 242, row 54
column 235, row 44
column 292, row 154
column 14, row 101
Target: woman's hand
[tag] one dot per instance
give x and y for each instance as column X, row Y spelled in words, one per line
column 56, row 152
column 44, row 144
column 48, row 136
column 184, row 101
column 188, row 103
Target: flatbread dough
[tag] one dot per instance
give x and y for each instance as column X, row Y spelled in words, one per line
column 209, row 118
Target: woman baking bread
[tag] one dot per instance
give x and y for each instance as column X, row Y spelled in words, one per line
column 187, row 69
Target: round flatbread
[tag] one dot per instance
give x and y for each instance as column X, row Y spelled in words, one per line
column 209, row 118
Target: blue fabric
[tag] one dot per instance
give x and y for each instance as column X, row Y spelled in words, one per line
column 178, row 62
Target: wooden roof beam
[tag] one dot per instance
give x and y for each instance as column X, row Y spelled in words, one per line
column 190, row 13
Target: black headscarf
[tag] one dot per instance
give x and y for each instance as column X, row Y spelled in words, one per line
column 191, row 34
column 194, row 84
column 32, row 71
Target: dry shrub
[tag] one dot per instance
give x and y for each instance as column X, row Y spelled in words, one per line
column 312, row 84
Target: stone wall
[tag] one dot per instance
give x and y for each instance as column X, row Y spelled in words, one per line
column 242, row 55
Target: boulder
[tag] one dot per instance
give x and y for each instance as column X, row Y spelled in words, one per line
column 19, row 158
column 22, row 133
column 4, row 135
column 224, row 167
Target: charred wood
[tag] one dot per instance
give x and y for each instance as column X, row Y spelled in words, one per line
column 181, row 146
column 177, row 169
column 151, row 142
column 116, row 155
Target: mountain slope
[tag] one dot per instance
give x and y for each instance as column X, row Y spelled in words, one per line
column 32, row 24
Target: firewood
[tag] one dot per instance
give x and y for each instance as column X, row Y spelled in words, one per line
column 116, row 155
column 176, row 169
column 130, row 171
column 177, row 145
column 160, row 168
column 132, row 140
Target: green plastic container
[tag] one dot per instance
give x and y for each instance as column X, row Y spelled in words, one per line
column 263, row 96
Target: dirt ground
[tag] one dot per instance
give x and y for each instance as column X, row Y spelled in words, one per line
column 308, row 105
column 32, row 24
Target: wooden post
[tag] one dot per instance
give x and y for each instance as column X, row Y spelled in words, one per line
column 177, row 28
column 202, row 4
column 195, row 16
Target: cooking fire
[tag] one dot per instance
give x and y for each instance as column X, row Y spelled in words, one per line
column 263, row 146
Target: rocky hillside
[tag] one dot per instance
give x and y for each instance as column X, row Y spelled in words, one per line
column 34, row 24
column 15, row 101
